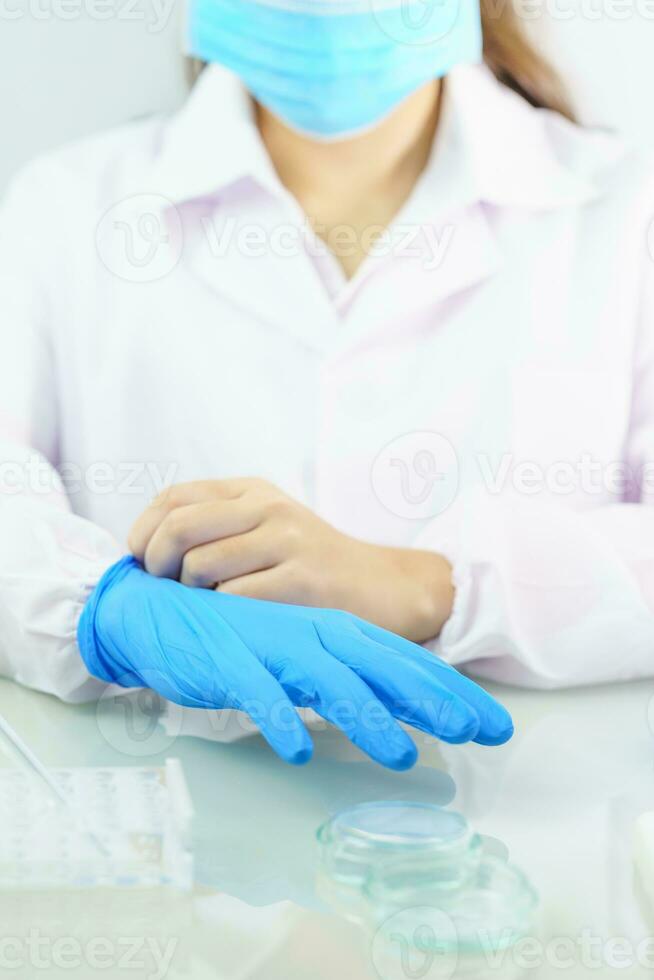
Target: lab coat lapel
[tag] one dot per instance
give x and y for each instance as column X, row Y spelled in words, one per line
column 248, row 247
column 250, row 251
column 242, row 231
column 491, row 153
column 442, row 261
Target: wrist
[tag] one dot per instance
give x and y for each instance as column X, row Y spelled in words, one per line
column 427, row 594
column 403, row 590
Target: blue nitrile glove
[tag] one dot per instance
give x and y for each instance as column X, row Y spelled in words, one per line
column 202, row 649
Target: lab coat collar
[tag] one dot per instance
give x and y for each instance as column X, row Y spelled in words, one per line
column 491, row 149
column 212, row 142
column 491, row 146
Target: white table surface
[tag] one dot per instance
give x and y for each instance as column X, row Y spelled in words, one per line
column 561, row 798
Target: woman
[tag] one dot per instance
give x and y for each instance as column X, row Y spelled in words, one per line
column 376, row 318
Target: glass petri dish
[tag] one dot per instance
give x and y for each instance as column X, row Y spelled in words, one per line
column 354, row 843
column 493, row 909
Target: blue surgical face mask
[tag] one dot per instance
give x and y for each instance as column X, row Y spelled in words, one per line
column 332, row 68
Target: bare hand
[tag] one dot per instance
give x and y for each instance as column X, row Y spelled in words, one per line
column 246, row 537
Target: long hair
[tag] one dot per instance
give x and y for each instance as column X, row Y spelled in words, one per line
column 511, row 57
column 515, row 61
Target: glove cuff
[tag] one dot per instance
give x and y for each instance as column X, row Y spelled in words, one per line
column 96, row 658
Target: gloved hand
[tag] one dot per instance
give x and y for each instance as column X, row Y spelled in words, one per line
column 206, row 650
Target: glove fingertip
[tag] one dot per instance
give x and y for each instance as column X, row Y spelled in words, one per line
column 497, row 727
column 395, row 750
column 462, row 723
column 496, row 738
column 406, row 760
column 300, row 756
column 294, row 745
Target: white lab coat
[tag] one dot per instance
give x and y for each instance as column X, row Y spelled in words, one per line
column 159, row 323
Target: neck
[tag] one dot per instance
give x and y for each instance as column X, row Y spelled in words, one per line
column 361, row 181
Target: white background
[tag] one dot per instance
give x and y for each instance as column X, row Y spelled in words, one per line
column 72, row 67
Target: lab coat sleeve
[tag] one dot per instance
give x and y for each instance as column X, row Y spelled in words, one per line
column 50, row 559
column 553, row 596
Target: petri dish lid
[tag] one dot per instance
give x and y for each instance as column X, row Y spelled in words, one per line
column 393, row 834
column 397, row 825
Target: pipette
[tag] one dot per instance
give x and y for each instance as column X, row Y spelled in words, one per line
column 27, row 758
